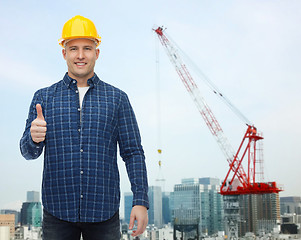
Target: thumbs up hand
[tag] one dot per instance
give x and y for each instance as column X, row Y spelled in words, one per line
column 38, row 126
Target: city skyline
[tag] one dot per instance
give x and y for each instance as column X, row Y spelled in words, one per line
column 123, row 212
column 208, row 200
column 250, row 50
column 180, row 203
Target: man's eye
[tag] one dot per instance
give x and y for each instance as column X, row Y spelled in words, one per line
column 87, row 48
column 72, row 49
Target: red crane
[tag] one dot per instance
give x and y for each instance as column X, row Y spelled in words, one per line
column 237, row 181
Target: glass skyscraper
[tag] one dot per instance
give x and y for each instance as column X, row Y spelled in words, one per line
column 31, row 214
column 155, row 206
column 33, row 196
column 197, row 201
column 31, row 211
column 128, row 204
column 290, row 205
column 166, row 213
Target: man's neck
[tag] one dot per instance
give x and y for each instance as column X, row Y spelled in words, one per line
column 82, row 83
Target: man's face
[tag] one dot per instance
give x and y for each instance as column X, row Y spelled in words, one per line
column 81, row 55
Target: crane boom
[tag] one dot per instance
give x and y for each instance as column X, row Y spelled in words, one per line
column 200, row 102
column 247, row 182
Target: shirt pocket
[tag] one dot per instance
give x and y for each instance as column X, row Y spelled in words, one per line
column 102, row 117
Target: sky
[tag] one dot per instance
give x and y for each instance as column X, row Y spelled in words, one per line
column 250, row 49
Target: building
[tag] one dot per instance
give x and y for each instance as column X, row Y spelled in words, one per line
column 5, row 233
column 259, row 213
column 214, row 207
column 290, row 209
column 164, row 233
column 33, row 196
column 28, row 232
column 128, row 204
column 290, row 205
column 155, row 206
column 31, row 214
column 7, row 220
column 196, row 202
column 16, row 213
column 31, row 211
column 166, row 212
column 290, row 223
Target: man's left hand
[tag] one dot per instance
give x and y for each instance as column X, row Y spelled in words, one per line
column 139, row 213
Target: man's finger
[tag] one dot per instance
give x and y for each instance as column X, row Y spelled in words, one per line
column 40, row 123
column 38, row 140
column 132, row 222
column 40, row 112
column 39, row 128
column 139, row 228
column 39, row 134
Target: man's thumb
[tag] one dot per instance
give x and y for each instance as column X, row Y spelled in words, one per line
column 39, row 112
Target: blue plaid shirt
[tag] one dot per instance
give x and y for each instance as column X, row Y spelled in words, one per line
column 80, row 177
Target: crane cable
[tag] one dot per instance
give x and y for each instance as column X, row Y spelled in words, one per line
column 158, row 97
column 160, row 176
column 211, row 85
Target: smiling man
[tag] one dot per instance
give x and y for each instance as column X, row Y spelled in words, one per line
column 79, row 121
column 81, row 55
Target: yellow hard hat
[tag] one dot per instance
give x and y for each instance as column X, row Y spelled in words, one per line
column 79, row 27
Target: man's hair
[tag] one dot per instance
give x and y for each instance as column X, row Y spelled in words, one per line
column 68, row 40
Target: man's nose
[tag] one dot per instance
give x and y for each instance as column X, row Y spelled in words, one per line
column 81, row 54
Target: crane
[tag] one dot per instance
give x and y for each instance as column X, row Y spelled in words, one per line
column 237, row 180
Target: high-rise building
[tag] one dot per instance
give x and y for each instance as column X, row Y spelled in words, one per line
column 259, row 213
column 31, row 214
column 31, row 211
column 166, row 210
column 196, row 201
column 290, row 205
column 128, row 204
column 155, row 206
column 33, row 196
column 9, row 221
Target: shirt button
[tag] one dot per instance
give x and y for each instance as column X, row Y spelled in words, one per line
column 76, row 91
column 79, row 129
column 78, row 109
column 81, row 196
column 74, row 81
column 81, row 172
column 81, row 150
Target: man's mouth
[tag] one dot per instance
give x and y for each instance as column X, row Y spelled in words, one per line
column 80, row 64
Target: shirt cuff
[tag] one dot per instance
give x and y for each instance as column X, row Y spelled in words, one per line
column 35, row 146
column 140, row 200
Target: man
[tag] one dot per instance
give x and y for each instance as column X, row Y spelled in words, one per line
column 79, row 121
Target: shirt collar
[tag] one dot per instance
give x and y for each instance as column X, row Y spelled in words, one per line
column 72, row 83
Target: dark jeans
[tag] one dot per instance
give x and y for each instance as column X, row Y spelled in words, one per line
column 56, row 229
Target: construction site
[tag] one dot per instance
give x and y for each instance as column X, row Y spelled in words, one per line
column 251, row 204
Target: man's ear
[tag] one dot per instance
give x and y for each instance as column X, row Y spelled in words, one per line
column 64, row 53
column 97, row 53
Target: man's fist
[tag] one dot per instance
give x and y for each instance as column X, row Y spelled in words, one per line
column 38, row 126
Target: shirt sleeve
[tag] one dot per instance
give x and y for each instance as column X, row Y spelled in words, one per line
column 132, row 153
column 30, row 149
